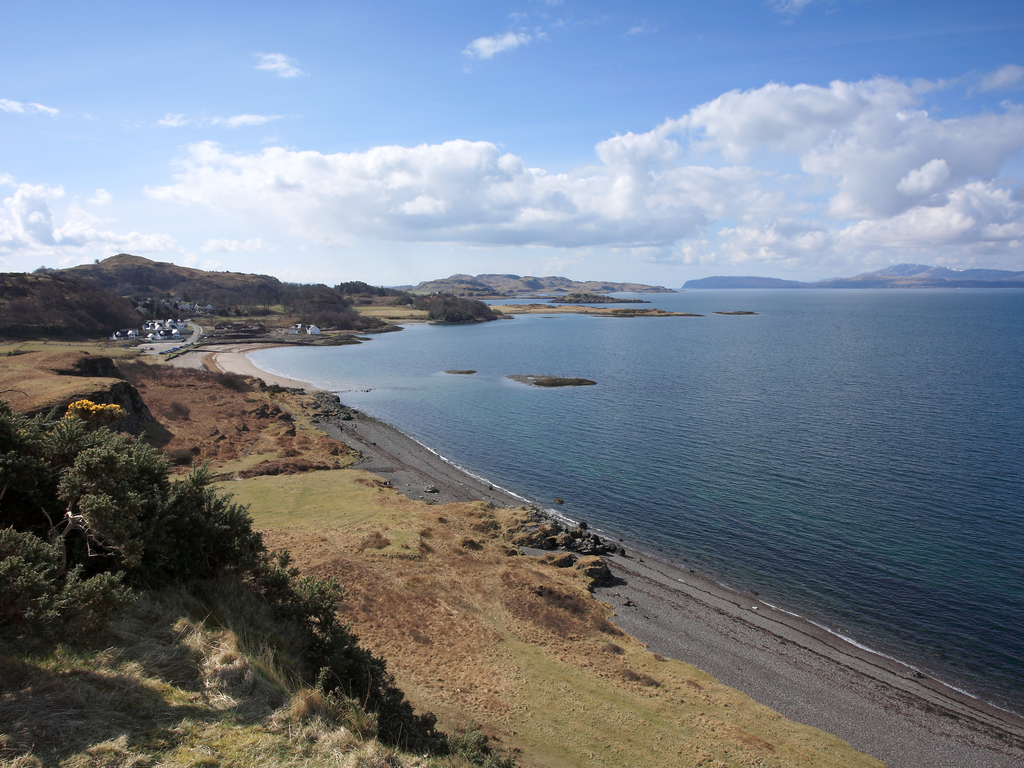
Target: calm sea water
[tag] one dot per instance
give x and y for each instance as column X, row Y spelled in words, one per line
column 856, row 457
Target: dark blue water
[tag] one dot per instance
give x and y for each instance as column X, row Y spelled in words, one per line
column 856, row 457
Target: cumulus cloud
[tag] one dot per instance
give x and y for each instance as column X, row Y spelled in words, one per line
column 8, row 105
column 29, row 227
column 459, row 191
column 102, row 197
column 487, row 47
column 787, row 174
column 279, row 64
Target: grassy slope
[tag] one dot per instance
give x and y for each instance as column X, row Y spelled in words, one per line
column 178, row 680
column 472, row 633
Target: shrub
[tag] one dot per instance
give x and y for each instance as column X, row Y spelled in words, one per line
column 233, row 381
column 36, row 596
column 474, row 747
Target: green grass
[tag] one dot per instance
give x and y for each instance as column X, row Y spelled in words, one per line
column 313, row 499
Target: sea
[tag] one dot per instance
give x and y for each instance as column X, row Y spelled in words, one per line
column 852, row 456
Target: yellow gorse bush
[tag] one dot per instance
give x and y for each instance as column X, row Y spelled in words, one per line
column 95, row 414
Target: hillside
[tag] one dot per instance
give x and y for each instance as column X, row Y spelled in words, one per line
column 161, row 288
column 135, row 276
column 898, row 276
column 497, row 286
column 58, row 306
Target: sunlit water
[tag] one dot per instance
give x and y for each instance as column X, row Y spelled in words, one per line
column 854, row 456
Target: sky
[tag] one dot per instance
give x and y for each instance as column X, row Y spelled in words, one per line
column 399, row 141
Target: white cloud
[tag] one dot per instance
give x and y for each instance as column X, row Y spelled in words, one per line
column 1004, row 78
column 487, row 47
column 237, row 121
column 243, row 120
column 7, row 105
column 788, row 174
column 44, row 109
column 102, row 197
column 173, row 121
column 458, row 191
column 925, row 180
column 279, row 64
column 789, row 6
column 28, row 227
column 234, row 246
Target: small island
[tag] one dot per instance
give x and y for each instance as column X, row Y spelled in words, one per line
column 462, row 373
column 550, row 381
column 593, row 298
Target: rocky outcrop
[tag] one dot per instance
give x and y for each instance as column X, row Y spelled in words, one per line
column 541, row 531
column 50, row 382
column 329, row 408
column 549, row 381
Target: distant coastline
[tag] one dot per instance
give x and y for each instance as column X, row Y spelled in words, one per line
column 899, row 276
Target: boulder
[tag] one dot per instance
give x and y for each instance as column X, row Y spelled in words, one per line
column 595, row 570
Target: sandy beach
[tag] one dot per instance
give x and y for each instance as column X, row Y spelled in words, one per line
column 878, row 705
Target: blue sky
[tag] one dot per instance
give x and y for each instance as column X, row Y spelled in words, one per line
column 397, row 141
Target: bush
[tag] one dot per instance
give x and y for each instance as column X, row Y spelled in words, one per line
column 474, row 747
column 36, row 596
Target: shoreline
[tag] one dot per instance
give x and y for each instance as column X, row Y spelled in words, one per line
column 798, row 668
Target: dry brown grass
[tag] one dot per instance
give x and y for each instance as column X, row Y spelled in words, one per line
column 170, row 685
column 511, row 642
column 237, row 430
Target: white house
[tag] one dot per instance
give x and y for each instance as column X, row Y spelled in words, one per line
column 312, row 329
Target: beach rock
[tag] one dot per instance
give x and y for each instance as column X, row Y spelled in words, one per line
column 431, row 489
column 595, row 570
column 590, row 544
column 565, row 540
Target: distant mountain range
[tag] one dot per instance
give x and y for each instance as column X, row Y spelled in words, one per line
column 899, row 276
column 514, row 285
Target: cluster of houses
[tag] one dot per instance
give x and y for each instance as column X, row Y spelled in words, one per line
column 152, row 330
column 300, row 328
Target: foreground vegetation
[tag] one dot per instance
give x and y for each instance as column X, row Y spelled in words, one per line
column 96, row 538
